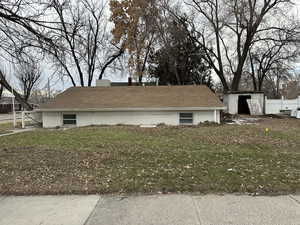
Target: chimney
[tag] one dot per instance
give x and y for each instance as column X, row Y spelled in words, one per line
column 103, row 83
column 129, row 81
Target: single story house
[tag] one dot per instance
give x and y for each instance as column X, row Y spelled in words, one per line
column 132, row 105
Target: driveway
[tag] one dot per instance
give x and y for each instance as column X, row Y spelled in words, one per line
column 150, row 210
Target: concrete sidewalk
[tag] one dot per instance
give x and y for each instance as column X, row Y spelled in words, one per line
column 150, row 210
column 17, row 131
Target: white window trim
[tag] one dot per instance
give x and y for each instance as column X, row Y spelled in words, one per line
column 69, row 119
column 192, row 118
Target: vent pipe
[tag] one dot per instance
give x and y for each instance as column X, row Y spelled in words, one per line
column 103, row 83
column 129, row 81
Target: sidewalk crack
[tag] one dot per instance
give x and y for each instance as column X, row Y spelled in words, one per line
column 294, row 199
column 197, row 210
column 92, row 212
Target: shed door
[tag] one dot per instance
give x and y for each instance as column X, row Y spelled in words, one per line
column 243, row 105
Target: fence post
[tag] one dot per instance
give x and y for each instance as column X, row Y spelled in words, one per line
column 282, row 99
column 265, row 104
column 23, row 119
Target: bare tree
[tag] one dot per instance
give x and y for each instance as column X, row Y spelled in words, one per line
column 268, row 59
column 276, row 79
column 21, row 26
column 272, row 51
column 82, row 46
column 228, row 28
column 28, row 74
column 72, row 32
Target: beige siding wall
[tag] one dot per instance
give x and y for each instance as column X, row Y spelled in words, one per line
column 53, row 119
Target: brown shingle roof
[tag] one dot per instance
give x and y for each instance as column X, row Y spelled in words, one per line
column 101, row 98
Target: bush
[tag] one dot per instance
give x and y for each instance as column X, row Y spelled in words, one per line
column 208, row 124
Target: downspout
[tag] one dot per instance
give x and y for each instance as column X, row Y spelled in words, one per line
column 216, row 117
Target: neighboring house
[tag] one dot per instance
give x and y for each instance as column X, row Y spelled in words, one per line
column 6, row 105
column 291, row 90
column 133, row 105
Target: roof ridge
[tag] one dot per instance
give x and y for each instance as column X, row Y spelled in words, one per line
column 180, row 96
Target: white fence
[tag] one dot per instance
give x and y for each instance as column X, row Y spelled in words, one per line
column 276, row 106
column 31, row 119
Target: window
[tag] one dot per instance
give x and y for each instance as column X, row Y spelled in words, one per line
column 69, row 119
column 185, row 118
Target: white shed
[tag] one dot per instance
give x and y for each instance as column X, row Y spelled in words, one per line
column 245, row 102
column 132, row 105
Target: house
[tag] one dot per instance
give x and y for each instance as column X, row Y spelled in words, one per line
column 6, row 105
column 290, row 90
column 132, row 105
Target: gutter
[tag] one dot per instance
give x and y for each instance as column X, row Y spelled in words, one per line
column 133, row 109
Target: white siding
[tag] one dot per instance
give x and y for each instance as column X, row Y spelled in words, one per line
column 54, row 119
column 232, row 101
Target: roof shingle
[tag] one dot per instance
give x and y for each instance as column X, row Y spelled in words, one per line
column 100, row 98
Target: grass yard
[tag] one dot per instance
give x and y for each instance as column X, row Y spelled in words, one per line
column 204, row 159
column 6, row 128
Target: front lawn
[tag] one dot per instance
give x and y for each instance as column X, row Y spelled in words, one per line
column 205, row 159
column 6, row 128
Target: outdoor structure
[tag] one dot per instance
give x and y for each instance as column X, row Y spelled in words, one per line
column 245, row 102
column 6, row 105
column 277, row 106
column 132, row 105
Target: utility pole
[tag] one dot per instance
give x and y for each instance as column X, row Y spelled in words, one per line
column 48, row 86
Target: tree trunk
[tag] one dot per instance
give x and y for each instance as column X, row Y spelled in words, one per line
column 260, row 84
column 252, row 72
column 176, row 74
column 254, row 83
column 241, row 61
column 1, row 91
column 235, row 82
column 113, row 58
column 277, row 87
column 224, row 82
column 238, row 73
column 141, row 80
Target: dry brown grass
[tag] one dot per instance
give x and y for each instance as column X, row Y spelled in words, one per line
column 205, row 159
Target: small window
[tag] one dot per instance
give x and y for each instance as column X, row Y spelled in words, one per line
column 69, row 119
column 186, row 118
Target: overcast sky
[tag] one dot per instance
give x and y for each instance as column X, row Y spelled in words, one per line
column 119, row 76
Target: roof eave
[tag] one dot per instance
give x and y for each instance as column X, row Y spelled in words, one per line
column 133, row 109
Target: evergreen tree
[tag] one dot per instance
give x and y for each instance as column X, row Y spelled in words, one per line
column 180, row 60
